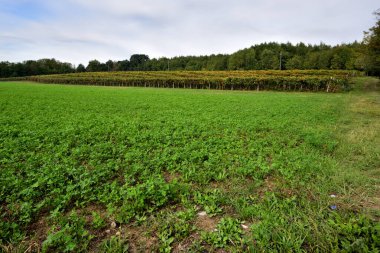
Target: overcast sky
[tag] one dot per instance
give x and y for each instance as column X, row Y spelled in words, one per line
column 77, row 31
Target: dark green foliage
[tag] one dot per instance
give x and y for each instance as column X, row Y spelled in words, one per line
column 96, row 66
column 295, row 63
column 372, row 43
column 137, row 61
column 40, row 67
column 80, row 68
column 269, row 59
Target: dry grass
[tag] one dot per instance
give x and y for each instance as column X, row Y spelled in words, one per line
column 360, row 149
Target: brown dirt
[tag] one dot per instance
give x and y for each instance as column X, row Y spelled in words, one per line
column 184, row 245
column 275, row 184
column 139, row 240
column 374, row 203
column 170, row 176
column 269, row 185
column 101, row 234
column 206, row 223
column 36, row 234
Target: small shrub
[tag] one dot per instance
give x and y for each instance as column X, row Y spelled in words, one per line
column 114, row 245
column 70, row 236
column 228, row 232
column 358, row 234
column 97, row 221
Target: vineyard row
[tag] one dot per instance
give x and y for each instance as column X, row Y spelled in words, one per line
column 309, row 80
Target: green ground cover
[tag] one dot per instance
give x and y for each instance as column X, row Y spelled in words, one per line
column 142, row 169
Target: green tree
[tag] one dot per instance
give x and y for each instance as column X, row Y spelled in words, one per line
column 341, row 58
column 311, row 60
column 269, row 60
column 362, row 61
column 250, row 59
column 193, row 64
column 5, row 69
column 110, row 65
column 324, row 59
column 81, row 68
column 237, row 60
column 372, row 42
column 94, row 66
column 296, row 62
column 137, row 61
column 217, row 62
column 122, row 65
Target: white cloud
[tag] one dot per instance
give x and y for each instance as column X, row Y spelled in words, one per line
column 81, row 30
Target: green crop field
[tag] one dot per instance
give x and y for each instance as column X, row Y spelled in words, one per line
column 117, row 169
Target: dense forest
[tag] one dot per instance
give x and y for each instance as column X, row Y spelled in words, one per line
column 363, row 56
column 263, row 56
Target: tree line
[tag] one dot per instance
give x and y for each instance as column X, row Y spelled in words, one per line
column 362, row 56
